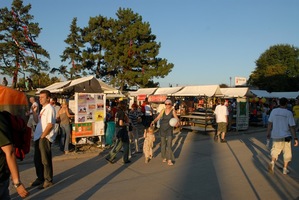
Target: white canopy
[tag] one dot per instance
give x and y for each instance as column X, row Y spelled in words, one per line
column 143, row 91
column 200, row 90
column 86, row 84
column 167, row 91
column 236, row 92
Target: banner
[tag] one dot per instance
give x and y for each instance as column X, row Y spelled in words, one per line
column 242, row 118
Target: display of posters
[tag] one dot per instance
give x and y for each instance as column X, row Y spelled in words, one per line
column 90, row 112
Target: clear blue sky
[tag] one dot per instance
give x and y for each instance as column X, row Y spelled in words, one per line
column 208, row 41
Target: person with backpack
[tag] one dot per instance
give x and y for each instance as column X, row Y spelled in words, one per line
column 8, row 163
column 44, row 136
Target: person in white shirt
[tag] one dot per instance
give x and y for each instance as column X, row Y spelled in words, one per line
column 34, row 105
column 221, row 113
column 44, row 136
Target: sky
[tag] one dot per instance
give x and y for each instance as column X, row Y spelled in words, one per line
column 210, row 42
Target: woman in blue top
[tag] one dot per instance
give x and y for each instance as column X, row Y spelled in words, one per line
column 166, row 131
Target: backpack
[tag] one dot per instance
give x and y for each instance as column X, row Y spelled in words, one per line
column 21, row 134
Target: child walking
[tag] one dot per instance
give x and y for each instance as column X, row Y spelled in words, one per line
column 149, row 139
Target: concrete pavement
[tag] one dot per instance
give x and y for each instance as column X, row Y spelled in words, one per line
column 203, row 170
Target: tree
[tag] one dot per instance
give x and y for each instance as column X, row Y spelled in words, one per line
column 72, row 53
column 120, row 51
column 18, row 50
column 277, row 69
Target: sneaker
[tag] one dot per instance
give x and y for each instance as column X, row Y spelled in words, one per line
column 45, row 185
column 285, row 171
column 37, row 182
column 271, row 168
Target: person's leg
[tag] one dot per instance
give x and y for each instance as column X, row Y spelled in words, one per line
column 169, row 152
column 46, row 155
column 4, row 191
column 276, row 149
column 67, row 130
column 126, row 152
column 112, row 154
column 287, row 156
column 136, row 138
column 39, row 168
column 62, row 137
column 163, row 148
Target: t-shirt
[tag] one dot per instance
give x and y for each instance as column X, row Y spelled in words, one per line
column 5, row 139
column 296, row 111
column 281, row 118
column 47, row 115
column 221, row 113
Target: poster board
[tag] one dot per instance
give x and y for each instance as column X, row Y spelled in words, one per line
column 90, row 112
column 242, row 118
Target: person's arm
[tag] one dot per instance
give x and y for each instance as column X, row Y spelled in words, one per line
column 269, row 129
column 157, row 118
column 68, row 113
column 35, row 114
column 293, row 131
column 14, row 171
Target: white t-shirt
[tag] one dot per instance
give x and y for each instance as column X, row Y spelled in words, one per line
column 148, row 110
column 281, row 118
column 221, row 113
column 47, row 115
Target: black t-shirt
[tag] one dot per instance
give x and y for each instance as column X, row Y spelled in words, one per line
column 5, row 139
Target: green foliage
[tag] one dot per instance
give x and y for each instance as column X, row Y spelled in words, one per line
column 277, row 69
column 120, row 51
column 18, row 50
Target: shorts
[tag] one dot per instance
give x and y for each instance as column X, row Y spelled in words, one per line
column 222, row 127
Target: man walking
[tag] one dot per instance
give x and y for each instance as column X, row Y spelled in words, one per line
column 221, row 113
column 43, row 138
column 281, row 128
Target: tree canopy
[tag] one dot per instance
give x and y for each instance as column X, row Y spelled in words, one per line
column 277, row 69
column 122, row 51
column 19, row 51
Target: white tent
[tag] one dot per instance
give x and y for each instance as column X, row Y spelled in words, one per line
column 167, row 91
column 142, row 91
column 201, row 90
column 86, row 84
column 236, row 92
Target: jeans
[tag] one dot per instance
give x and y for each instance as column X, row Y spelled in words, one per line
column 166, row 148
column 65, row 137
column 4, row 192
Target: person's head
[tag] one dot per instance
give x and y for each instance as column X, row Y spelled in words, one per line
column 44, row 97
column 168, row 103
column 151, row 130
column 283, row 101
column 32, row 99
column 122, row 105
column 64, row 104
column 134, row 106
column 222, row 101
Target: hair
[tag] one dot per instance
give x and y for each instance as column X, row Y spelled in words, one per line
column 222, row 101
column 151, row 128
column 47, row 92
column 168, row 101
column 283, row 101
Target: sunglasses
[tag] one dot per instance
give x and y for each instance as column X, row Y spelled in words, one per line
column 167, row 104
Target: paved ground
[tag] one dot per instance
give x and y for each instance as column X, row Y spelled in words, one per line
column 203, row 170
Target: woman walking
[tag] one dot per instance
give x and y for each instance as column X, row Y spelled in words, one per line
column 166, row 131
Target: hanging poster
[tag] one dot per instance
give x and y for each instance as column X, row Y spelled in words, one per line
column 90, row 114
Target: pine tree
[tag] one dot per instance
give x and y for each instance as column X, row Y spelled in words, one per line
column 19, row 51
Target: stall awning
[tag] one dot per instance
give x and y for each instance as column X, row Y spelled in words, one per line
column 142, row 91
column 167, row 91
column 236, row 92
column 261, row 93
column 204, row 90
column 288, row 95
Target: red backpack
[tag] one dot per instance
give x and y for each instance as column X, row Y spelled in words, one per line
column 21, row 134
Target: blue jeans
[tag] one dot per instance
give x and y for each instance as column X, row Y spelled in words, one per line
column 4, row 192
column 65, row 137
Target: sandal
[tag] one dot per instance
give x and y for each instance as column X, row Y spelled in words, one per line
column 164, row 160
column 170, row 163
